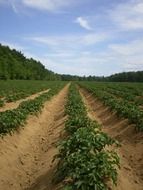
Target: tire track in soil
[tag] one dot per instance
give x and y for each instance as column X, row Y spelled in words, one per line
column 26, row 156
column 131, row 152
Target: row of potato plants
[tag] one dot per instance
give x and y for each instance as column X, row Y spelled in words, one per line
column 84, row 161
column 128, row 96
column 1, row 103
column 123, row 108
column 132, row 92
column 11, row 91
column 120, row 92
column 11, row 120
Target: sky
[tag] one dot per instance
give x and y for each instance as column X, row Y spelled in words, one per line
column 78, row 37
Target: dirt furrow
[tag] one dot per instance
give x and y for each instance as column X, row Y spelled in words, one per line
column 26, row 156
column 14, row 105
column 131, row 151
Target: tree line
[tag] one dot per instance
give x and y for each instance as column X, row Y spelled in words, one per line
column 119, row 77
column 14, row 65
column 126, row 77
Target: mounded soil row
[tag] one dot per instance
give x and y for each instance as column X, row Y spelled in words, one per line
column 26, row 156
column 131, row 152
column 14, row 105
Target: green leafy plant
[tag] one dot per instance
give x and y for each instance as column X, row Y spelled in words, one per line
column 1, row 103
column 13, row 119
column 91, row 171
column 83, row 159
column 124, row 106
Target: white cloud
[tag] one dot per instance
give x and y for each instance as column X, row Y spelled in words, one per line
column 50, row 41
column 60, row 54
column 93, row 53
column 42, row 5
column 115, row 58
column 128, row 49
column 133, row 66
column 76, row 66
column 94, row 38
column 128, row 16
column 71, row 41
column 128, row 55
column 83, row 23
column 50, row 5
column 87, row 62
column 91, row 64
column 14, row 6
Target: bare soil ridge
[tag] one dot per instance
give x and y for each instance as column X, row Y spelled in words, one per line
column 131, row 151
column 26, row 156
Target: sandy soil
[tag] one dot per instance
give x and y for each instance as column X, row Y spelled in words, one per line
column 131, row 152
column 26, row 156
column 14, row 105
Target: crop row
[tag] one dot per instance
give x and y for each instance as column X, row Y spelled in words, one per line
column 11, row 91
column 132, row 92
column 83, row 160
column 130, row 96
column 123, row 108
column 11, row 120
column 1, row 103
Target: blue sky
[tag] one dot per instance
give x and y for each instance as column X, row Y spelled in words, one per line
column 82, row 37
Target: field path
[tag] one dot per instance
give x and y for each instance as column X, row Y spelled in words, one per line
column 14, row 105
column 131, row 152
column 26, row 156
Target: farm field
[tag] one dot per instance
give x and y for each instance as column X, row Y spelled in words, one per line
column 97, row 127
column 126, row 99
column 71, row 95
column 113, row 110
column 16, row 114
column 13, row 90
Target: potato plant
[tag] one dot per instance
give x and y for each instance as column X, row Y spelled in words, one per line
column 84, row 161
column 1, row 103
column 11, row 120
column 13, row 90
column 123, row 107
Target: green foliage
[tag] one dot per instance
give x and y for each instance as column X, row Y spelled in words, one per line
column 13, row 90
column 85, row 139
column 13, row 119
column 126, row 77
column 119, row 77
column 91, row 171
column 84, row 161
column 14, row 65
column 1, row 103
column 121, row 98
